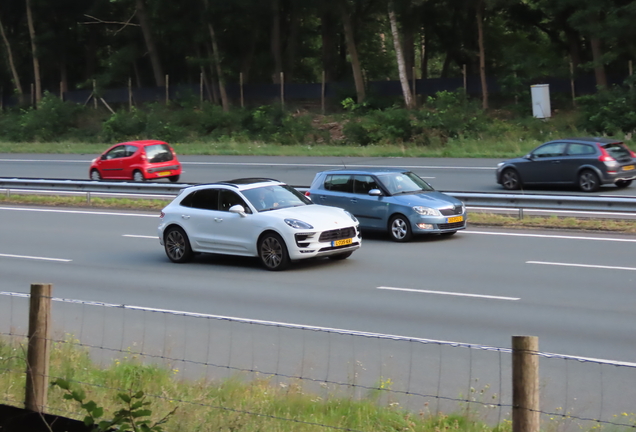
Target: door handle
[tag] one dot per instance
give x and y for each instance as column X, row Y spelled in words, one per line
column 556, row 162
column 218, row 219
column 322, row 197
column 185, row 217
column 354, row 200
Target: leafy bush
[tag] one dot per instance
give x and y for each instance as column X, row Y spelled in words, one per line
column 610, row 111
column 124, row 125
column 53, row 120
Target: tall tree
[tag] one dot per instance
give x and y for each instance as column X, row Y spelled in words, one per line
column 404, row 81
column 482, row 53
column 14, row 71
column 157, row 69
column 353, row 51
column 34, row 54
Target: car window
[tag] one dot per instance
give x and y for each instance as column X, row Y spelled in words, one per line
column 550, row 150
column 362, row 184
column 158, row 153
column 115, row 153
column 228, row 199
column 206, row 199
column 339, row 183
column 575, row 149
column 268, row 198
column 130, row 150
column 618, row 151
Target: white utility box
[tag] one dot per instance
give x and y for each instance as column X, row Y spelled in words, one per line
column 541, row 100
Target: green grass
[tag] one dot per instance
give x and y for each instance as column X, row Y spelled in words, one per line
column 228, row 405
column 466, row 148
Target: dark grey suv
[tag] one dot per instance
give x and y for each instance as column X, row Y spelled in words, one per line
column 587, row 163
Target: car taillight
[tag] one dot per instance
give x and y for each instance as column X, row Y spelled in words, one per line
column 605, row 157
column 161, row 215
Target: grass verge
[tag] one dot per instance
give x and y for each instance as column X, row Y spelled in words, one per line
column 475, row 219
column 232, row 404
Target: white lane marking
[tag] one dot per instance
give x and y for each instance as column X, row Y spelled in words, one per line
column 552, row 236
column 140, row 236
column 450, row 293
column 79, row 212
column 515, row 211
column 581, row 265
column 35, row 258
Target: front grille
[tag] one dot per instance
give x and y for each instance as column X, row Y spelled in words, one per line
column 454, row 225
column 337, row 234
column 456, row 210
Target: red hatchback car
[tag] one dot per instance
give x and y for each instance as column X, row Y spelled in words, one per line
column 138, row 161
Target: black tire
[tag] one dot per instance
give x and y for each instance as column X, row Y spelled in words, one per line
column 589, row 181
column 273, row 252
column 510, row 179
column 341, row 256
column 174, row 178
column 400, row 229
column 623, row 183
column 177, row 245
column 138, row 176
column 95, row 175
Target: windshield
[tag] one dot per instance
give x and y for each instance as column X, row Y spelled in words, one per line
column 404, row 182
column 267, row 198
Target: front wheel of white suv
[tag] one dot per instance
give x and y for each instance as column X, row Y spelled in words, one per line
column 273, row 252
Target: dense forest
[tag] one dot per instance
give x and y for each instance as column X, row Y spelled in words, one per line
column 69, row 43
column 64, row 45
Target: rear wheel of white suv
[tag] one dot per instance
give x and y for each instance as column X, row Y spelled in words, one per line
column 177, row 245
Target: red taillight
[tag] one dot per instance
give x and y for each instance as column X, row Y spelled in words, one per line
column 161, row 215
column 605, row 157
column 307, row 194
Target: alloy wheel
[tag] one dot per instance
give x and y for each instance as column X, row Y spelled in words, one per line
column 175, row 245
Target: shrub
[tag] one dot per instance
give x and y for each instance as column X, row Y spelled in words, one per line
column 610, row 111
column 53, row 120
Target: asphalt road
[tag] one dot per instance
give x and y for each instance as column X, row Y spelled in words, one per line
column 446, row 174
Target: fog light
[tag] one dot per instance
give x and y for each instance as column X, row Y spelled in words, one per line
column 424, row 226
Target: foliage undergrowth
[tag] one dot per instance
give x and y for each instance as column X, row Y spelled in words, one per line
column 447, row 124
column 232, row 404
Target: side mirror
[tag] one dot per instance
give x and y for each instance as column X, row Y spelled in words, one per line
column 103, row 157
column 238, row 209
column 375, row 192
column 529, row 156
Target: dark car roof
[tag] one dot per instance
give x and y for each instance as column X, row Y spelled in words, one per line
column 376, row 171
column 590, row 140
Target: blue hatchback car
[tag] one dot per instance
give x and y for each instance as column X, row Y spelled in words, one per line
column 389, row 199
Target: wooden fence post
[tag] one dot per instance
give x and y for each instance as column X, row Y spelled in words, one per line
column 241, row 85
column 572, row 87
column 525, row 384
column 464, row 73
column 201, row 89
column 37, row 374
column 94, row 94
column 167, row 89
column 282, row 90
column 130, row 98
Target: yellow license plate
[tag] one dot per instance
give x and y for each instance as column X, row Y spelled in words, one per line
column 455, row 219
column 343, row 242
column 163, row 173
column 628, row 168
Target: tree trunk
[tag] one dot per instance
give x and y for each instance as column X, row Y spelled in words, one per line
column 275, row 42
column 353, row 52
column 34, row 53
column 329, row 45
column 292, row 40
column 14, row 71
column 424, row 54
column 599, row 67
column 160, row 78
column 217, row 61
column 482, row 54
column 404, row 81
column 248, row 57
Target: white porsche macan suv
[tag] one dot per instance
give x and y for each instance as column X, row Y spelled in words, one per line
column 264, row 218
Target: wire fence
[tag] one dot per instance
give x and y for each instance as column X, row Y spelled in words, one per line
column 422, row 376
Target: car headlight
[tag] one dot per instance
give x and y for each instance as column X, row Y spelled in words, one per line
column 298, row 224
column 426, row 211
column 353, row 218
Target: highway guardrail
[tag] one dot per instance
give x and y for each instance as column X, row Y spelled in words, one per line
column 475, row 199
